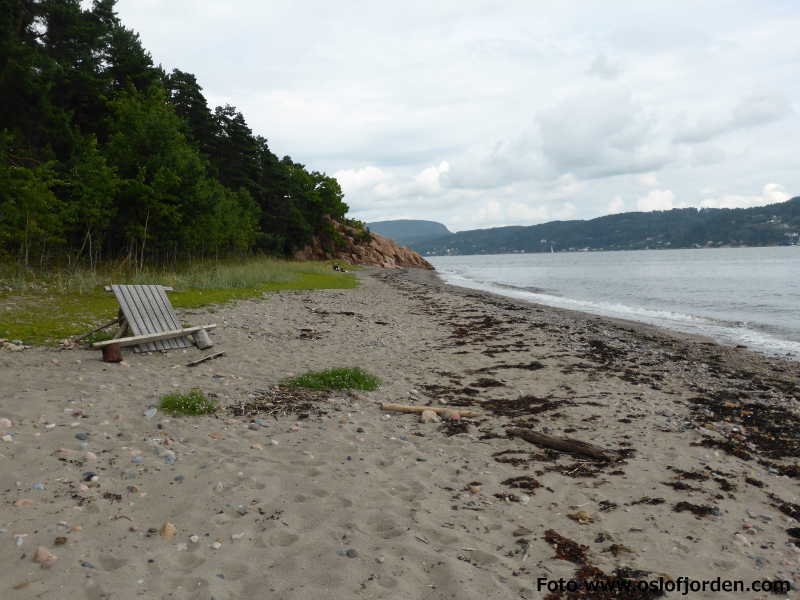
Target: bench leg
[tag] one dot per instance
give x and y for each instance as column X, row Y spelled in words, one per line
column 202, row 339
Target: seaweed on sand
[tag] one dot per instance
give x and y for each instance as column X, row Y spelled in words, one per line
column 522, row 406
column 281, row 401
column 567, row 549
column 524, row 482
column 697, row 510
column 588, row 576
column 770, row 428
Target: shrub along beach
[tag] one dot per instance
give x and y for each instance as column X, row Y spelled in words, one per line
column 232, row 479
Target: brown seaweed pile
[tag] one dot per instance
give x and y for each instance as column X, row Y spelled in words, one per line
column 587, row 575
column 698, row 510
column 772, row 429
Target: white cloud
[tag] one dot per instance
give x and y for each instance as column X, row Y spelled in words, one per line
column 770, row 194
column 428, row 180
column 353, row 180
column 657, row 200
column 648, row 179
column 617, row 205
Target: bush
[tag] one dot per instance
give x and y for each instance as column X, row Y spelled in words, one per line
column 336, row 379
column 193, row 403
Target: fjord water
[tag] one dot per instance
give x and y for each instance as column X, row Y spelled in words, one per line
column 748, row 296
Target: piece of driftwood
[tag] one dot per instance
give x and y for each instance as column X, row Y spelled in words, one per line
column 95, row 330
column 408, row 408
column 112, row 353
column 194, row 363
column 153, row 337
column 562, row 444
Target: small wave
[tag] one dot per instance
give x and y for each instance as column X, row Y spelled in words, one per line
column 725, row 331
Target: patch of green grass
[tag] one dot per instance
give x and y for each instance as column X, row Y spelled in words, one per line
column 335, row 379
column 193, row 403
column 43, row 308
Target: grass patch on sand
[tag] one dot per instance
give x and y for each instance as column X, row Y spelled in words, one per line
column 43, row 308
column 193, row 403
column 335, row 379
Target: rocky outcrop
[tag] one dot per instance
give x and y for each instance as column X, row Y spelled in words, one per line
column 349, row 245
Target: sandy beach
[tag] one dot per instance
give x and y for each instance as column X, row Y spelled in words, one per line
column 327, row 496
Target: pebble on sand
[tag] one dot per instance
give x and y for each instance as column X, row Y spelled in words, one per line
column 6, row 423
column 44, row 557
column 168, row 530
column 23, row 502
column 429, row 416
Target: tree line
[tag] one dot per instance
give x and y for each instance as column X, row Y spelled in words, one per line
column 771, row 225
column 105, row 156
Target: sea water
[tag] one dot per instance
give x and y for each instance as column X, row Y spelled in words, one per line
column 748, row 296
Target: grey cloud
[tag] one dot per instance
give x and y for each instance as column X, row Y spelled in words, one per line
column 751, row 111
column 603, row 67
column 528, row 103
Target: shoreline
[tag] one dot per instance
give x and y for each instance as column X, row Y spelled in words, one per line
column 732, row 352
column 756, row 326
column 341, row 499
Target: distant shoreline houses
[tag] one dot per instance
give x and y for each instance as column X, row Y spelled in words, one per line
column 764, row 226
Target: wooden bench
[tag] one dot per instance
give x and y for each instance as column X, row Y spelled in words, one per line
column 147, row 315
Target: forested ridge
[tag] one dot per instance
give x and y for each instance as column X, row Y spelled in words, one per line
column 104, row 155
column 771, row 225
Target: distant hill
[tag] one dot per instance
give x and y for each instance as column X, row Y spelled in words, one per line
column 775, row 224
column 408, row 231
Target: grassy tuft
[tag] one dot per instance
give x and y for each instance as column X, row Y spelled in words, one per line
column 193, row 403
column 43, row 308
column 335, row 379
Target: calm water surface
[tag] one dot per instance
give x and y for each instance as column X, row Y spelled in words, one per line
column 745, row 296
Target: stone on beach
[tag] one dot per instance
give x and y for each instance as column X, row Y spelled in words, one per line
column 168, row 530
column 44, row 557
column 429, row 416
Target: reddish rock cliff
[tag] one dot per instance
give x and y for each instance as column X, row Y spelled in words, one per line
column 348, row 246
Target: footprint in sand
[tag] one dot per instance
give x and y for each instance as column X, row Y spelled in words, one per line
column 109, row 563
column 320, row 492
column 232, row 570
column 189, row 561
column 385, row 527
column 284, row 539
column 95, row 592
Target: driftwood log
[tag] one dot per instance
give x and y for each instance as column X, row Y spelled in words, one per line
column 563, row 444
column 408, row 408
column 194, row 363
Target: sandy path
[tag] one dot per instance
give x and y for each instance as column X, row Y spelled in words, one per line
column 355, row 503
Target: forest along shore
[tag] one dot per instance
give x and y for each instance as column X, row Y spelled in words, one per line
column 325, row 494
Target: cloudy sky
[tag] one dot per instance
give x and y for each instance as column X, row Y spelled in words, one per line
column 479, row 114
